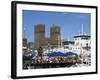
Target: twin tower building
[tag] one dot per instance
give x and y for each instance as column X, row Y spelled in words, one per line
column 40, row 39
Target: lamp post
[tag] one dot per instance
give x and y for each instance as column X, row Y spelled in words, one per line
column 40, row 53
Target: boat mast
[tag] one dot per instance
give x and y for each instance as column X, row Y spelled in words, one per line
column 61, row 39
column 24, row 30
column 82, row 29
column 58, row 41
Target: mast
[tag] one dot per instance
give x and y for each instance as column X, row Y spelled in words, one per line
column 61, row 38
column 58, row 41
column 82, row 29
column 24, row 32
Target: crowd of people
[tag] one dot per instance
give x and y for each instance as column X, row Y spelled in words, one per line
column 55, row 59
column 45, row 60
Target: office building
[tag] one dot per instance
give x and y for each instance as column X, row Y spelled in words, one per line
column 39, row 36
column 55, row 36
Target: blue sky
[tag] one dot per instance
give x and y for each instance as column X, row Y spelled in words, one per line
column 70, row 22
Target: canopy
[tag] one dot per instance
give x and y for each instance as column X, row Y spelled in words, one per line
column 62, row 54
column 56, row 54
column 70, row 54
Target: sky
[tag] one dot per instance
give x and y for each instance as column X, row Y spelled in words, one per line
column 69, row 22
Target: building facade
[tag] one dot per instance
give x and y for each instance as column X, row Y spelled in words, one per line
column 55, row 36
column 39, row 36
column 30, row 45
column 24, row 45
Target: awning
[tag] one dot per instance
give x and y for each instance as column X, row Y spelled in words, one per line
column 56, row 54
